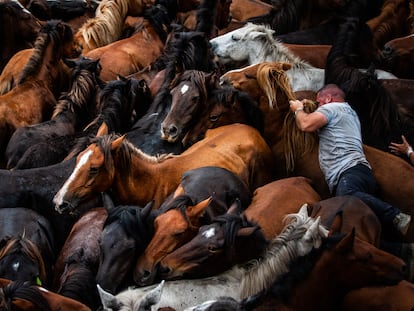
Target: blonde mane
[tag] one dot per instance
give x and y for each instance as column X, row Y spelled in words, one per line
column 271, row 77
column 107, row 25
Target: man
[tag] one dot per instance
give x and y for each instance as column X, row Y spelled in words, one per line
column 341, row 155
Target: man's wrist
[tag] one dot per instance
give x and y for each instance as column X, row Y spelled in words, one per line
column 409, row 150
column 297, row 110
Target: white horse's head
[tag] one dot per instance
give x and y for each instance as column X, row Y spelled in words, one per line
column 242, row 45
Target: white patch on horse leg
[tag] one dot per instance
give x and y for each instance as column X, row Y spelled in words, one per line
column 209, row 233
column 58, row 199
column 184, row 89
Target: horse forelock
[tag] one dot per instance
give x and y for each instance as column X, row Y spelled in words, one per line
column 281, row 252
column 27, row 248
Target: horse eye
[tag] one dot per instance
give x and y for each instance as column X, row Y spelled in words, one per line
column 93, row 170
column 212, row 248
column 214, row 118
column 235, row 38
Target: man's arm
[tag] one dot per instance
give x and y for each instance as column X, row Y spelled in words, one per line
column 307, row 122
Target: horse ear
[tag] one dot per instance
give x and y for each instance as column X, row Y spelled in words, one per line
column 235, row 207
column 198, row 210
column 247, row 231
column 336, row 224
column 146, row 210
column 103, row 130
column 347, row 243
column 109, row 301
column 152, row 298
column 117, row 143
column 68, row 62
column 286, row 66
column 107, row 201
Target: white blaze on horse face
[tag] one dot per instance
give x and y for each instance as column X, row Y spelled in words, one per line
column 58, row 199
column 16, row 266
column 184, row 89
column 209, row 233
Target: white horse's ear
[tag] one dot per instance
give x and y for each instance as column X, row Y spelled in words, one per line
column 152, row 298
column 109, row 301
column 303, row 211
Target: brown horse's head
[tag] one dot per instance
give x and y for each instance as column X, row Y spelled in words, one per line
column 172, row 229
column 94, row 172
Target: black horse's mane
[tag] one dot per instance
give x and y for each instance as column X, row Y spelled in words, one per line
column 364, row 91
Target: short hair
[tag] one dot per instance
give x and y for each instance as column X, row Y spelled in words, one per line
column 333, row 90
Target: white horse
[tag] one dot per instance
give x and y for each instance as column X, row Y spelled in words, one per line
column 254, row 44
column 301, row 234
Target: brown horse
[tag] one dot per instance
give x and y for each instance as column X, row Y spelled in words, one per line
column 18, row 31
column 112, row 162
column 76, row 265
column 392, row 22
column 396, row 297
column 17, row 295
column 132, row 54
column 397, row 56
column 320, row 278
column 107, row 24
column 33, row 101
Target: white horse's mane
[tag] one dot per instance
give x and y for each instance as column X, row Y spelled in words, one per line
column 301, row 234
column 271, row 47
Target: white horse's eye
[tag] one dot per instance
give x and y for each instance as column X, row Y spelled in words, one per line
column 235, row 38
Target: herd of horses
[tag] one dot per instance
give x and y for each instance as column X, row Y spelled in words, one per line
column 149, row 159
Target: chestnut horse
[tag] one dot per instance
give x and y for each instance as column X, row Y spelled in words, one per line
column 321, row 274
column 186, row 210
column 19, row 29
column 112, row 162
column 72, row 112
column 107, row 24
column 16, row 295
column 132, row 54
column 32, row 101
column 397, row 56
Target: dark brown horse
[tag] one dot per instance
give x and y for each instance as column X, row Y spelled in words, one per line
column 76, row 265
column 33, row 101
column 16, row 295
column 18, row 31
column 72, row 112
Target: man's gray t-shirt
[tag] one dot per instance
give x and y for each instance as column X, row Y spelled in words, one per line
column 340, row 142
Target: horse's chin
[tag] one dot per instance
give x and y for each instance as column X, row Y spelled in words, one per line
column 66, row 207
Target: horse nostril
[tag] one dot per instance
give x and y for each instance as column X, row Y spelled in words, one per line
column 164, row 270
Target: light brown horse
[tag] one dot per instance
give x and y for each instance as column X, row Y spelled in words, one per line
column 136, row 178
column 33, row 101
column 107, row 24
column 127, row 56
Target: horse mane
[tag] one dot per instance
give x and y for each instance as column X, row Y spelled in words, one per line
column 195, row 76
column 363, row 89
column 267, row 77
column 25, row 291
column 53, row 32
column 27, row 248
column 131, row 220
column 160, row 16
column 226, row 95
column 78, row 98
column 124, row 153
column 206, row 20
column 107, row 25
column 281, row 252
column 296, row 142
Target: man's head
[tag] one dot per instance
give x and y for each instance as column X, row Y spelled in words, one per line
column 330, row 93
